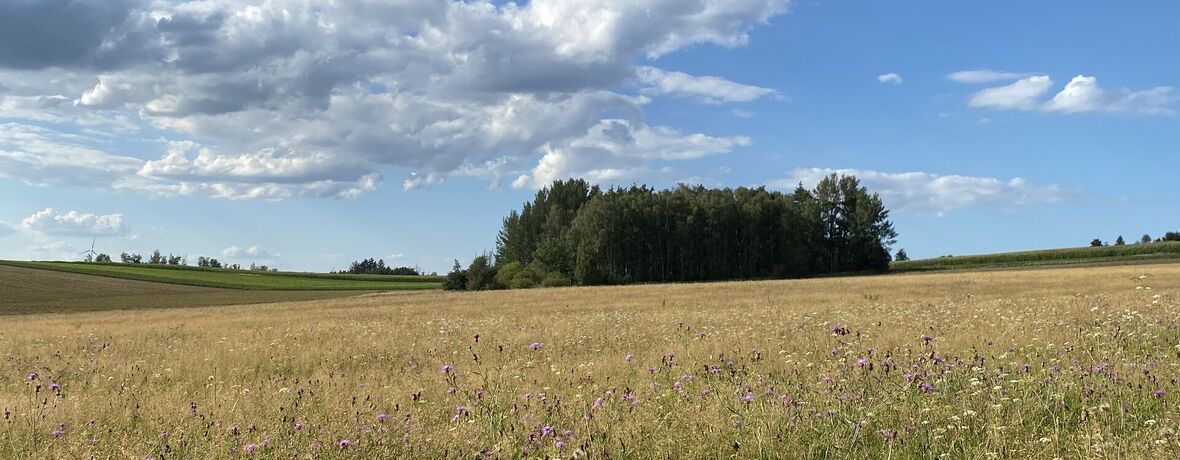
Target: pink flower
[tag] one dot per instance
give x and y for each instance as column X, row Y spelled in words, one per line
column 250, row 448
column 448, row 368
column 535, row 346
column 344, row 443
column 629, row 357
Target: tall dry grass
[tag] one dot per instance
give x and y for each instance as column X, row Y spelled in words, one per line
column 1066, row 363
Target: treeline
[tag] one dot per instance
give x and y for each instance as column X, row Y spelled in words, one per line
column 1145, row 239
column 158, row 258
column 575, row 233
column 378, row 267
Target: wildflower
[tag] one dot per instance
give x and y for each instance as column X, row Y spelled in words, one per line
column 839, row 330
column 163, row 435
column 298, row 426
column 559, row 443
column 380, row 416
column 535, row 346
column 926, row 388
column 451, row 390
column 630, row 357
column 748, row 397
column 1158, row 393
column 887, row 435
column 546, row 430
column 598, row 403
column 926, row 338
column 61, row 430
column 192, row 409
column 250, row 448
column 447, row 368
column 234, row 430
column 344, row 443
column 861, row 362
column 54, row 387
column 909, row 376
column 7, row 413
column 32, row 376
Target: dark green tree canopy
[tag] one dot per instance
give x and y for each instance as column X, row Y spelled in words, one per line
column 575, row 232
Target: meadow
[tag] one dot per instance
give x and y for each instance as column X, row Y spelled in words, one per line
column 1124, row 254
column 1061, row 363
column 237, row 279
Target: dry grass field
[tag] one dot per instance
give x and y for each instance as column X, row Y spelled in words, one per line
column 1059, row 363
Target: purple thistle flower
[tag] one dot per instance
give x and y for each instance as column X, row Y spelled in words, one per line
column 535, row 346
column 909, row 376
column 381, row 416
column 861, row 362
column 927, row 338
column 32, row 376
column 629, row 357
column 559, row 443
column 297, row 426
column 344, row 443
column 748, row 397
column 1158, row 393
column 163, row 435
column 546, row 430
column 250, row 448
column 598, row 403
column 61, row 430
column 54, row 387
column 447, row 368
column 926, row 387
column 192, row 409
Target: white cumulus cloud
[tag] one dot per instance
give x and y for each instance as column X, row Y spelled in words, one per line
column 1082, row 94
column 273, row 99
column 891, row 78
column 250, row 252
column 1023, row 94
column 74, row 223
column 709, row 89
column 617, row 151
column 924, row 192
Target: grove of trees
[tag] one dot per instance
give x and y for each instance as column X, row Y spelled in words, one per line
column 576, row 233
column 378, row 267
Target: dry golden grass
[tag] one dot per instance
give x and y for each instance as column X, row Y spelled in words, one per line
column 1069, row 363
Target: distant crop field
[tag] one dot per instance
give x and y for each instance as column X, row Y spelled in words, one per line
column 26, row 291
column 1063, row 363
column 239, row 279
column 1088, row 255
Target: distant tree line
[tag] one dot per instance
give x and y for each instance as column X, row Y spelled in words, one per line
column 378, row 267
column 1145, row 239
column 157, row 258
column 576, row 233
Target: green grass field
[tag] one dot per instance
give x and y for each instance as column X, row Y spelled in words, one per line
column 1068, row 256
column 239, row 279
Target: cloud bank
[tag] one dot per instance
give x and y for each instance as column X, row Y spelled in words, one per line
column 298, row 98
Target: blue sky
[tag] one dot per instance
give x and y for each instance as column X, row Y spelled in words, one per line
column 306, row 135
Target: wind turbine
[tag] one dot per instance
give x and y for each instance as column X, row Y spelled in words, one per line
column 89, row 253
